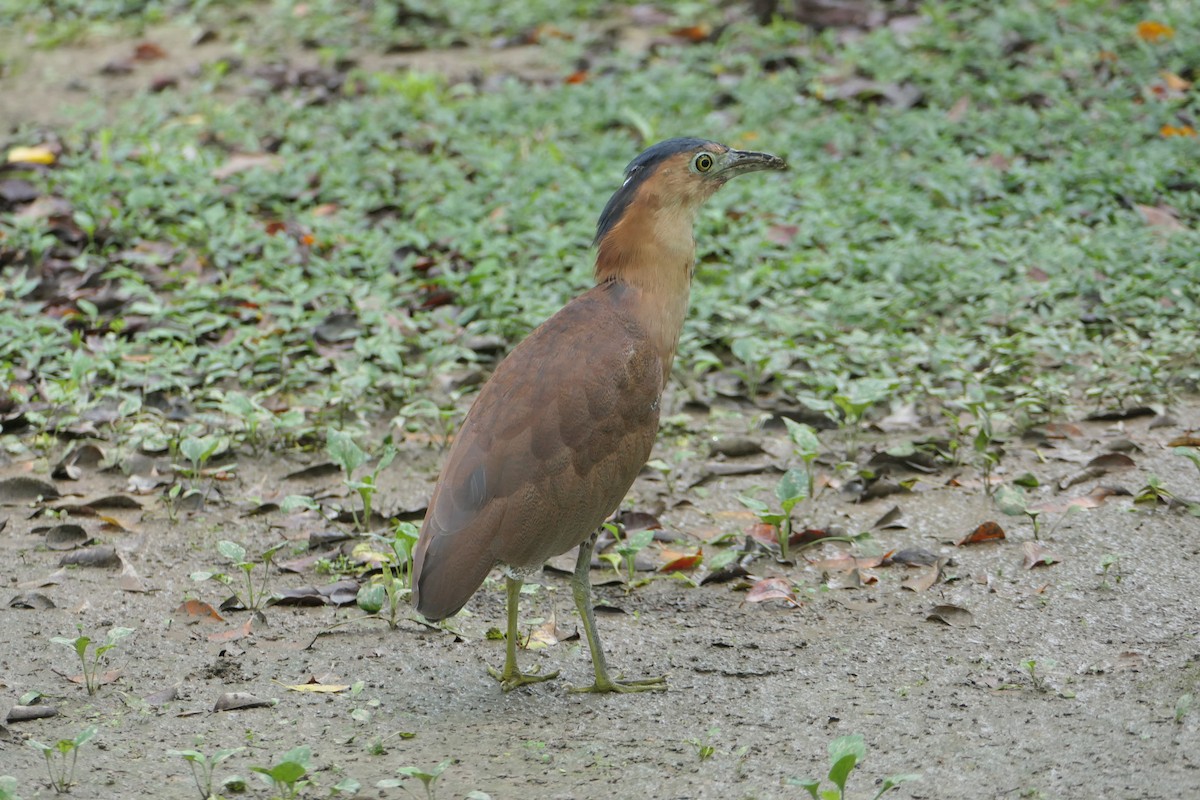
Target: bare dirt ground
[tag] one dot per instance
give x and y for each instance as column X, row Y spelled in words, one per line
column 932, row 676
column 767, row 685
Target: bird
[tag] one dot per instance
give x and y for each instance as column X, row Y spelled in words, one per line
column 559, row 432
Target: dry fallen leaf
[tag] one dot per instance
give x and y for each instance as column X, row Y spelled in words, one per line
column 1151, row 31
column 954, row 616
column 240, row 162
column 681, row 562
column 923, row 579
column 199, row 610
column 772, row 589
column 231, row 701
column 987, row 532
column 318, row 688
column 30, row 155
column 1160, row 218
column 233, row 634
column 1038, row 555
column 1093, row 499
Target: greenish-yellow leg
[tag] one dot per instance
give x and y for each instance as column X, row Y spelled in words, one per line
column 512, row 677
column 581, row 588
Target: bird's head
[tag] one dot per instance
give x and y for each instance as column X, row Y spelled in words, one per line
column 678, row 175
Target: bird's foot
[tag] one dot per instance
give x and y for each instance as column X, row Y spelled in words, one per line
column 603, row 685
column 511, row 679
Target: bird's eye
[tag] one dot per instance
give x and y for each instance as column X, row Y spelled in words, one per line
column 703, row 162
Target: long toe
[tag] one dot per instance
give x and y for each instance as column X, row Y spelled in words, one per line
column 508, row 682
column 658, row 684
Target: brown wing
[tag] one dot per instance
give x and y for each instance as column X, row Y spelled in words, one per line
column 548, row 450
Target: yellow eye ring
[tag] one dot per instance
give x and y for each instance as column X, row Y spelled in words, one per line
column 703, row 162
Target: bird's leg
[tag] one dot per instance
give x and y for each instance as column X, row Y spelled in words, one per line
column 581, row 588
column 512, row 677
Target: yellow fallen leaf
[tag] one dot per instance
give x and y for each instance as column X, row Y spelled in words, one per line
column 30, row 155
column 325, row 688
column 1151, row 31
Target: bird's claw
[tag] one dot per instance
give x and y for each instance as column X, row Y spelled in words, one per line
column 516, row 679
column 658, row 684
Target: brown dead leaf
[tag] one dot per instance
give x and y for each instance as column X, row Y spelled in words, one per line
column 954, row 616
column 241, row 162
column 682, row 562
column 1161, row 218
column 233, row 634
column 199, row 610
column 102, row 679
column 549, row 634
column 987, row 532
column 922, row 579
column 314, row 686
column 31, row 600
column 772, row 589
column 103, row 556
column 693, row 33
column 67, row 537
column 1189, row 439
column 23, row 489
column 1038, row 555
column 232, row 701
column 148, row 51
column 1093, row 499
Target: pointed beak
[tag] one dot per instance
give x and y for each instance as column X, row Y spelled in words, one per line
column 739, row 162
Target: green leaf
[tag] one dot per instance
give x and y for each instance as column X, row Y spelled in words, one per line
column 1011, row 500
column 115, row 635
column 721, row 559
column 841, row 769
column 754, row 504
column 84, row 735
column 792, row 487
column 892, row 781
column 297, row 755
column 371, row 597
column 804, row 437
column 845, row 752
column 809, row 785
column 342, row 448
column 232, row 551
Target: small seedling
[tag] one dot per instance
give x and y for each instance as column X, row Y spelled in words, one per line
column 704, row 746
column 1153, row 493
column 198, row 450
column 1182, row 706
column 393, row 585
column 250, row 594
column 626, row 550
column 1110, row 563
column 202, row 766
column 789, row 491
column 1031, row 668
column 429, row 779
column 439, row 422
column 61, row 758
column 1012, row 501
column 845, row 753
column 342, row 448
column 91, row 662
column 286, row 778
column 807, row 447
column 1190, row 453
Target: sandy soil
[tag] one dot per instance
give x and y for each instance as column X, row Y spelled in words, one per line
column 766, row 684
